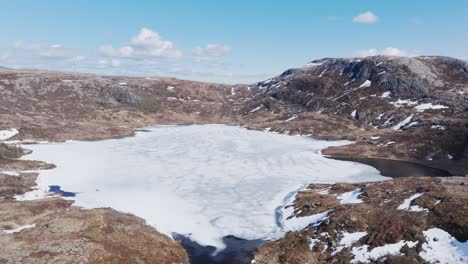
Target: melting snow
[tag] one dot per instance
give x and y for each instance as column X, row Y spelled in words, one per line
column 441, row 247
column 19, row 229
column 400, row 103
column 6, row 134
column 202, row 181
column 428, row 106
column 374, row 137
column 403, row 123
column 438, row 127
column 406, row 205
column 350, row 197
column 363, row 255
column 367, row 83
column 299, row 223
column 10, row 173
column 233, row 91
column 348, row 240
column 313, row 64
column 256, row 109
column 170, row 88
column 291, row 118
column 323, row 72
column 324, row 191
column 354, row 114
column 385, row 94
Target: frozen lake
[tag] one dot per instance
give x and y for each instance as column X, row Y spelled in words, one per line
column 201, row 181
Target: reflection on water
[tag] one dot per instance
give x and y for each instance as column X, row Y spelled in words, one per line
column 237, row 251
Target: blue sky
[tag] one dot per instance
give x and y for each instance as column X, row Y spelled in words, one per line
column 223, row 41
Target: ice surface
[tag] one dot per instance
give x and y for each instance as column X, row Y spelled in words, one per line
column 441, row 247
column 202, row 181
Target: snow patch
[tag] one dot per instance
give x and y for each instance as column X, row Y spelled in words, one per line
column 363, row 255
column 406, row 205
column 299, row 223
column 350, row 197
column 348, row 240
column 19, row 229
column 399, row 103
column 428, row 106
column 385, row 94
column 256, row 109
column 314, row 64
column 367, row 83
column 324, row 191
column 291, row 118
column 403, row 123
column 6, row 134
column 438, row 127
column 10, row 173
column 441, row 247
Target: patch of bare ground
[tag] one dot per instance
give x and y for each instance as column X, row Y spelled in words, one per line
column 443, row 204
column 58, row 232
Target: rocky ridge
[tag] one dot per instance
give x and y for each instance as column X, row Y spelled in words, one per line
column 411, row 109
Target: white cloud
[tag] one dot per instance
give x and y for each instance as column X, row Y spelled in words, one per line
column 367, row 17
column 211, row 51
column 389, row 51
column 144, row 45
column 55, row 51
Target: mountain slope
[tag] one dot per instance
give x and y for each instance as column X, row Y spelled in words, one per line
column 413, row 108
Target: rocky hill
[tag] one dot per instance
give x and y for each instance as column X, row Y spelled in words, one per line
column 404, row 108
column 412, row 109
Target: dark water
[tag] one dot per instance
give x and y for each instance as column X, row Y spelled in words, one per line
column 396, row 168
column 237, row 251
column 58, row 189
